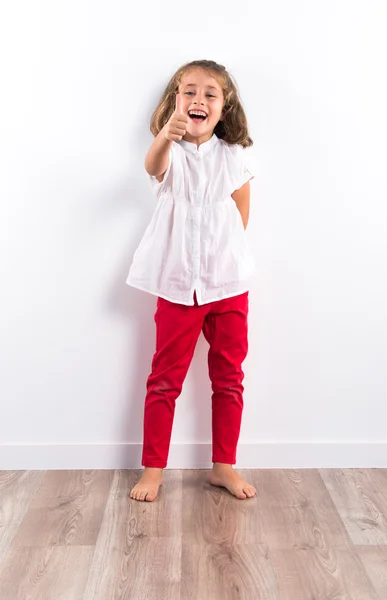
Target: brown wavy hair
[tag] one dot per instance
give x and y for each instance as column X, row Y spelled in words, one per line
column 232, row 129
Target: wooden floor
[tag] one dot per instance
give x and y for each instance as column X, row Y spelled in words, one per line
column 307, row 535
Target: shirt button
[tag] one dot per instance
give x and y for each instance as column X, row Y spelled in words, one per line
column 198, row 155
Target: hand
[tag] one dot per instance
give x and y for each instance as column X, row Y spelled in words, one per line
column 177, row 125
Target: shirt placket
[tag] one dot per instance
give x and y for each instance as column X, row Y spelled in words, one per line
column 197, row 214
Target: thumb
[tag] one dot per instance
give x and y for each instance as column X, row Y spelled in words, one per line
column 179, row 103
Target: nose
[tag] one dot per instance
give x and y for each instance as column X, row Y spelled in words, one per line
column 196, row 101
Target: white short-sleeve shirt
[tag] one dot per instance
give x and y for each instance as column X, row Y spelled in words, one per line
column 196, row 241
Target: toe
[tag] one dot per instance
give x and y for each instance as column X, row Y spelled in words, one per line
column 152, row 495
column 241, row 494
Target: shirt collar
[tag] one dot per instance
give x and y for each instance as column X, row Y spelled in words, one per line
column 203, row 148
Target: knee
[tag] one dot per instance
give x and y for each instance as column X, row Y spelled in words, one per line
column 162, row 386
column 229, row 385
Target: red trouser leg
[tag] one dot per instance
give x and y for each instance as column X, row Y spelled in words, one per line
column 225, row 328
column 177, row 331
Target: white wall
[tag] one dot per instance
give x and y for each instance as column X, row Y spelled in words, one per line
column 80, row 80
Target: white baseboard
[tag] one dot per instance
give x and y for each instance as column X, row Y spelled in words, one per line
column 257, row 455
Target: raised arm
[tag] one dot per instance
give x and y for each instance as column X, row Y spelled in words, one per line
column 156, row 160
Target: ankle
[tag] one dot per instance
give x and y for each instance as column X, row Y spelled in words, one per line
column 219, row 465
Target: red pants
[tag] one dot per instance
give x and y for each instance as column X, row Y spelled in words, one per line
column 224, row 325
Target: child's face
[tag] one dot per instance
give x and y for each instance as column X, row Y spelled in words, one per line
column 199, row 90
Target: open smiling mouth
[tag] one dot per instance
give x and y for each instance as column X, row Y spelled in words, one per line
column 197, row 118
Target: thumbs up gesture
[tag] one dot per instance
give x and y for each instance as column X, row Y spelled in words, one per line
column 176, row 127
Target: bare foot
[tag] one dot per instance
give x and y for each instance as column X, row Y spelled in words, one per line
column 223, row 475
column 148, row 486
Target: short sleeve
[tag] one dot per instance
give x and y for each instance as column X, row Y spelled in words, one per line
column 245, row 170
column 166, row 183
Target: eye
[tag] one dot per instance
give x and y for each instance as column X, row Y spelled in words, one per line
column 210, row 95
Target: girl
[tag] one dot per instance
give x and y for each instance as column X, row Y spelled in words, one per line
column 194, row 257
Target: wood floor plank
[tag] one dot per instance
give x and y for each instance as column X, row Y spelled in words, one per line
column 374, row 559
column 360, row 496
column 138, row 552
column 45, row 573
column 66, row 510
column 17, row 490
column 212, row 515
column 331, row 573
column 227, row 572
column 222, row 558
column 295, row 510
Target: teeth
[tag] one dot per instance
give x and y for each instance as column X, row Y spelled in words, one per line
column 197, row 112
